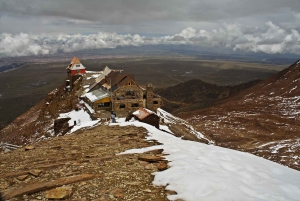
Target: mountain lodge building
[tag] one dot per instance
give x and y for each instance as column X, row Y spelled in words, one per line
column 110, row 89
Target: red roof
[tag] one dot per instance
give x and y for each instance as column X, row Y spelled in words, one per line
column 142, row 113
column 75, row 60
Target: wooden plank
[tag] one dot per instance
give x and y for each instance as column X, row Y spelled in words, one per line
column 42, row 186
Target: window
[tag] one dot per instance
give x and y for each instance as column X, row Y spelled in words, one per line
column 122, row 105
column 134, row 104
column 129, row 93
column 106, row 104
column 77, row 65
column 155, row 102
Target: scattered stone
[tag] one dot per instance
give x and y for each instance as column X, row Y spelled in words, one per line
column 35, row 173
column 102, row 198
column 29, row 147
column 143, row 163
column 104, row 190
column 74, row 152
column 145, row 197
column 156, row 151
column 59, row 193
column 4, row 186
column 147, row 190
column 134, row 183
column 90, row 156
column 117, row 193
column 130, row 163
column 149, row 167
column 124, row 142
column 22, row 177
column 10, row 181
column 107, row 158
column 150, row 158
column 56, row 147
column 13, row 174
column 169, row 192
column 162, row 166
column 83, row 183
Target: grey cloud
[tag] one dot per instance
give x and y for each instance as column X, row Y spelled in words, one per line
column 133, row 11
column 178, row 38
column 271, row 39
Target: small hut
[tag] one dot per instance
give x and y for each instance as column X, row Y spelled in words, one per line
column 76, row 67
column 146, row 116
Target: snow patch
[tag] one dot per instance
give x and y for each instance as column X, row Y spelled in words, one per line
column 205, row 172
column 81, row 117
column 170, row 119
column 88, row 106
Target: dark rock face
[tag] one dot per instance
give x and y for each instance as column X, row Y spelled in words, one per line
column 61, row 126
column 1, row 197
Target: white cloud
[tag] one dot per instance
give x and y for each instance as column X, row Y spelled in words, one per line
column 270, row 39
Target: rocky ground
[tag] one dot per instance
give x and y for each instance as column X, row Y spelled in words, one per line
column 84, row 166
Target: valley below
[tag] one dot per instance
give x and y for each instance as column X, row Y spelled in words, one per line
column 28, row 84
column 249, row 107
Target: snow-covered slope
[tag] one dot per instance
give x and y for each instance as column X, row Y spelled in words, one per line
column 263, row 120
column 170, row 119
column 206, row 172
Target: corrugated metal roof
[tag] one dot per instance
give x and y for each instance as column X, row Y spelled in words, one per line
column 97, row 95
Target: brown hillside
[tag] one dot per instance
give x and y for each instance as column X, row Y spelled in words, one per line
column 196, row 94
column 263, row 120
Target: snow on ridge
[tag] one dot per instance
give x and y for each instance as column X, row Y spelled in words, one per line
column 275, row 146
column 171, row 119
column 293, row 89
column 81, row 117
column 88, row 106
column 204, row 172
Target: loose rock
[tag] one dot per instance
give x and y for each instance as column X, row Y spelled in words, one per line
column 150, row 158
column 59, row 193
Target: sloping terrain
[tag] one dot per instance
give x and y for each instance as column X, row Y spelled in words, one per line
column 83, row 166
column 196, row 94
column 263, row 120
column 38, row 121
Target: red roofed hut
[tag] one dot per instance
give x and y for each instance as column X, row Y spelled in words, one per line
column 76, row 67
column 146, row 116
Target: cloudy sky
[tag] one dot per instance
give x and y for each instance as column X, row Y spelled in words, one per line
column 35, row 27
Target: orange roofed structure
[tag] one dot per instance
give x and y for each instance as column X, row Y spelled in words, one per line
column 76, row 67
